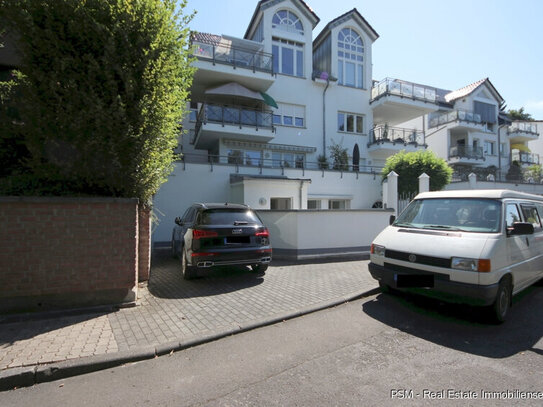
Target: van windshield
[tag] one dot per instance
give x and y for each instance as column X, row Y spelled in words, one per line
column 460, row 214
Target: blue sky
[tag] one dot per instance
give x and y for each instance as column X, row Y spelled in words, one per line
column 443, row 44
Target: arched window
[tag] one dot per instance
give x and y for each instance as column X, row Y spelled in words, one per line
column 288, row 21
column 350, row 58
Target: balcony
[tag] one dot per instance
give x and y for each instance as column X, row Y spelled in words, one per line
column 216, row 121
column 462, row 118
column 525, row 158
column 386, row 141
column 225, row 62
column 395, row 101
column 466, row 155
column 522, row 132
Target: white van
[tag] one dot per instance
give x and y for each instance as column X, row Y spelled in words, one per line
column 478, row 247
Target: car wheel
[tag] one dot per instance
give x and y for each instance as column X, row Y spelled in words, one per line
column 174, row 249
column 385, row 288
column 259, row 268
column 187, row 271
column 502, row 304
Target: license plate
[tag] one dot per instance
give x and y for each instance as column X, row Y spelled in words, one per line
column 414, row 280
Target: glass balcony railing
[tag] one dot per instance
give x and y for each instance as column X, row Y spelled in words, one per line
column 439, row 118
column 467, row 152
column 389, row 86
column 525, row 158
column 232, row 115
column 231, row 55
column 529, row 128
column 396, row 135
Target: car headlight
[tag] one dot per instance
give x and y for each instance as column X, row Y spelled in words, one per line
column 378, row 250
column 462, row 263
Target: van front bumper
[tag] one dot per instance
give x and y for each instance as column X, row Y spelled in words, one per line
column 443, row 288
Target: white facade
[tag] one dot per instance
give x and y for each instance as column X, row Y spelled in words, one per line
column 266, row 108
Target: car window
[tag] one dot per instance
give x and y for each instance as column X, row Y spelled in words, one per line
column 186, row 214
column 512, row 215
column 191, row 215
column 531, row 215
column 228, row 217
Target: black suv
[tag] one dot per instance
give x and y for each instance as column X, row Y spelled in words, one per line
column 211, row 235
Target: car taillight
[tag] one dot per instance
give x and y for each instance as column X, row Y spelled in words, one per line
column 199, row 234
column 263, row 232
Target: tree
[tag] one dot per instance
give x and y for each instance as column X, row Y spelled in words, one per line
column 533, row 172
column 520, row 115
column 515, row 172
column 339, row 156
column 409, row 166
column 102, row 90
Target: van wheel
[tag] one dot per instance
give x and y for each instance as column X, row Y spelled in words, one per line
column 385, row 288
column 502, row 304
column 187, row 271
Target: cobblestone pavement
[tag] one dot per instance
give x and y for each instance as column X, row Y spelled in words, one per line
column 173, row 309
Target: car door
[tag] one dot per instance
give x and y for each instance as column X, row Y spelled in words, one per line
column 535, row 241
column 181, row 228
column 518, row 249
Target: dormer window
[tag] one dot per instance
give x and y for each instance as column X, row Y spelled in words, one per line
column 287, row 21
column 350, row 58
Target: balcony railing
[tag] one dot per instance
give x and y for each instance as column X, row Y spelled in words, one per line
column 437, row 119
column 266, row 165
column 467, row 152
column 396, row 135
column 232, row 115
column 389, row 86
column 530, row 129
column 525, row 158
column 235, row 56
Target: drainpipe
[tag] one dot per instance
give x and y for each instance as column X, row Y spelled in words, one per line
column 324, row 117
column 301, row 194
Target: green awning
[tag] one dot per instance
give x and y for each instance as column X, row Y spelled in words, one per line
column 269, row 100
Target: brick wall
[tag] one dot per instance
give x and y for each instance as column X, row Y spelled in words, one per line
column 67, row 252
column 144, row 244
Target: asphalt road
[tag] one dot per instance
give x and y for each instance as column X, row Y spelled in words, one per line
column 382, row 350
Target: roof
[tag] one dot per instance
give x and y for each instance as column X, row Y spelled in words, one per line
column 479, row 193
column 466, row 90
column 338, row 20
column 222, row 205
column 263, row 3
column 206, row 38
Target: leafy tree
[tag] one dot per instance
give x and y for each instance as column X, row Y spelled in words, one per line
column 102, row 88
column 534, row 172
column 519, row 115
column 409, row 166
column 339, row 156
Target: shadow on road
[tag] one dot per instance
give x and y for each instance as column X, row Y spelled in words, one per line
column 462, row 327
column 166, row 280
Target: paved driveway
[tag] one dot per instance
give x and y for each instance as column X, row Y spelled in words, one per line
column 172, row 309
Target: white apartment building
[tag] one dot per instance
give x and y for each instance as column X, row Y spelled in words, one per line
column 266, row 108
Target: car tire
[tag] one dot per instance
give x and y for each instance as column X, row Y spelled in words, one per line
column 499, row 311
column 188, row 271
column 385, row 288
column 174, row 249
column 259, row 268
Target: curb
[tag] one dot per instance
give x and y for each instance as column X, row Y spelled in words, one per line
column 17, row 377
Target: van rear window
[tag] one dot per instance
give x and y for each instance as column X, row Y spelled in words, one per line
column 456, row 214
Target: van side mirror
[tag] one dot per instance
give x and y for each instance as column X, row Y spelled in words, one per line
column 178, row 221
column 391, row 219
column 521, row 228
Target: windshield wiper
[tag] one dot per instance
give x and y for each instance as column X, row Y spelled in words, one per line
column 446, row 227
column 405, row 225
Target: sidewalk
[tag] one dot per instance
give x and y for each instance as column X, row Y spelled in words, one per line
column 172, row 314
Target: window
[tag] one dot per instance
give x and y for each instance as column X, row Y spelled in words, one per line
column 281, row 203
column 313, row 204
column 486, row 111
column 531, row 215
column 289, row 115
column 193, row 115
column 248, row 157
column 489, row 148
column 253, row 158
column 288, row 160
column 511, row 215
column 350, row 58
column 287, row 21
column 350, row 122
column 338, row 204
column 288, row 57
